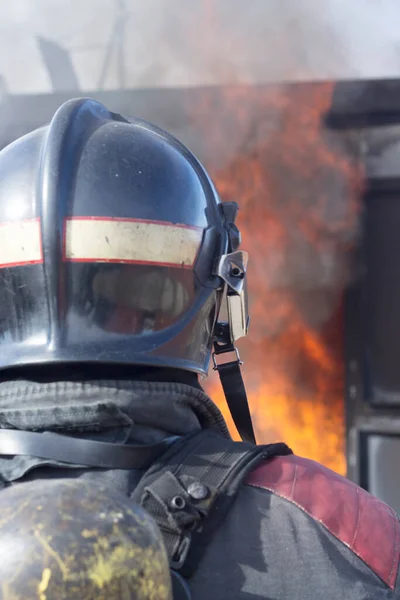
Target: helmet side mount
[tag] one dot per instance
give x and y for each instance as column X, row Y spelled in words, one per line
column 231, row 268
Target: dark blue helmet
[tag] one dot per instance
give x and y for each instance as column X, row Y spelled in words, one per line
column 114, row 246
column 115, row 249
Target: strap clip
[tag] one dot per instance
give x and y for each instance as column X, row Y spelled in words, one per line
column 226, row 350
column 179, row 559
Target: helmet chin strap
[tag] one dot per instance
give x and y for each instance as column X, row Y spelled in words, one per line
column 233, row 386
column 231, row 268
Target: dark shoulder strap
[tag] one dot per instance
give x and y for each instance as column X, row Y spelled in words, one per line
column 190, row 489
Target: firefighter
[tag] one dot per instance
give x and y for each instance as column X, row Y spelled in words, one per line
column 73, row 539
column 117, row 262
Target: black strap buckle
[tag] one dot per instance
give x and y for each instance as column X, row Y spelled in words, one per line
column 225, row 350
column 179, row 559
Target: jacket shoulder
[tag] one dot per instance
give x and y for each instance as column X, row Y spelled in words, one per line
column 367, row 526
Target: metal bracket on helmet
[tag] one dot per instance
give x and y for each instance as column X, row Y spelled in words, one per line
column 231, row 268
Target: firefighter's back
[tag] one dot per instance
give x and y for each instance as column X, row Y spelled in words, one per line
column 298, row 531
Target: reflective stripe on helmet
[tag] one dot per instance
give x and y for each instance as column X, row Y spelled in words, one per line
column 20, row 243
column 97, row 239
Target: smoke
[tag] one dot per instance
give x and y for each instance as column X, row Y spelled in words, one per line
column 263, row 40
column 299, row 191
column 178, row 43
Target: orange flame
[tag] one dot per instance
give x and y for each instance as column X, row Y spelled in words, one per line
column 299, row 198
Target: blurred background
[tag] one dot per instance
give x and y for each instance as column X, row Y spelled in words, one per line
column 294, row 108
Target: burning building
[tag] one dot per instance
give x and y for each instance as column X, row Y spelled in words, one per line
column 299, row 194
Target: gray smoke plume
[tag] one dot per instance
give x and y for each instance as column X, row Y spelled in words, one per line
column 181, row 43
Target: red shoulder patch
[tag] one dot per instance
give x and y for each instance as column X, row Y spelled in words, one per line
column 366, row 525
